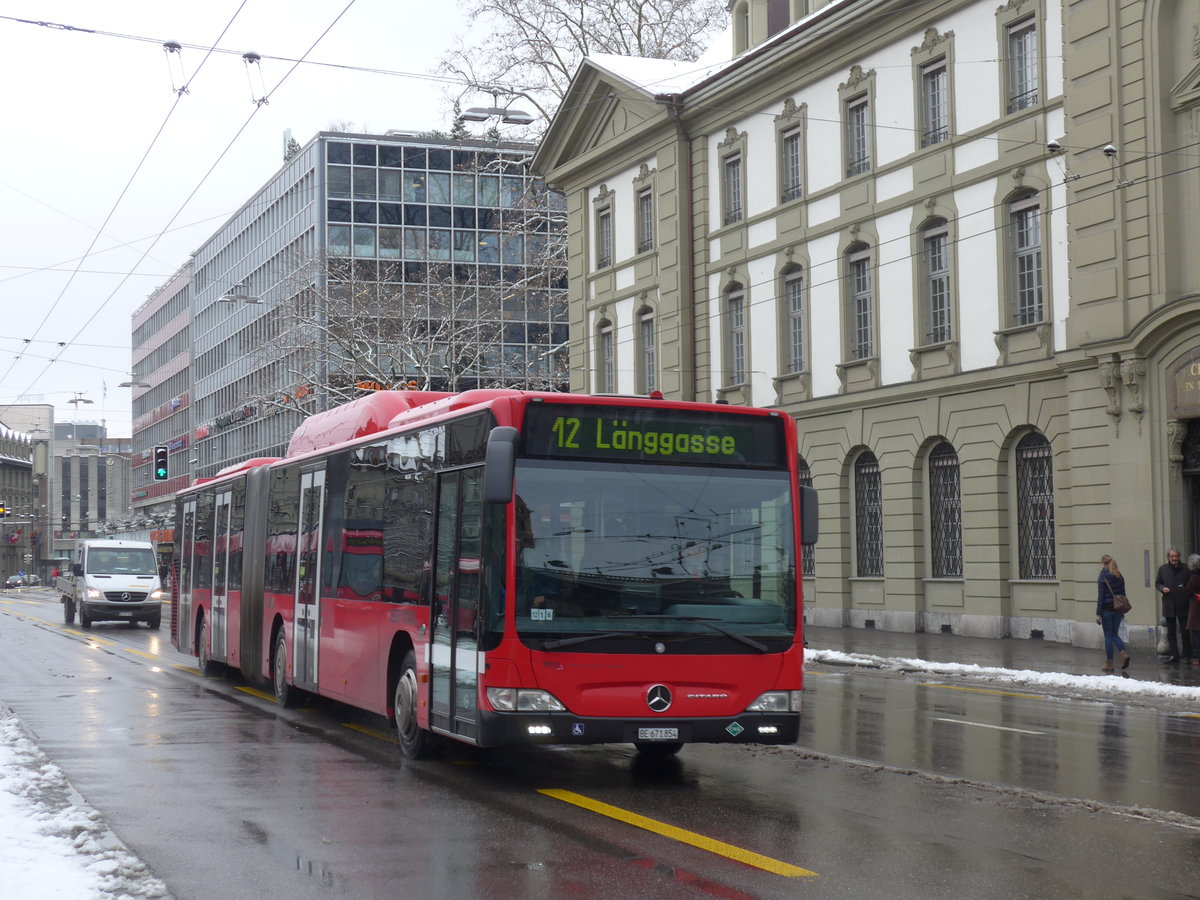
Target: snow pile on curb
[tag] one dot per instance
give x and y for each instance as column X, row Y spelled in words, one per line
column 52, row 845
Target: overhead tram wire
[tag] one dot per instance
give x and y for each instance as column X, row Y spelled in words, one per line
column 108, row 218
column 257, row 107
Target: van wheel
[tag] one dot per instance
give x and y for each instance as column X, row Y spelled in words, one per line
column 85, row 621
column 415, row 742
column 285, row 694
column 68, row 611
column 155, row 622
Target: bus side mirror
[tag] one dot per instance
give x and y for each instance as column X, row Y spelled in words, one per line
column 810, row 520
column 500, row 464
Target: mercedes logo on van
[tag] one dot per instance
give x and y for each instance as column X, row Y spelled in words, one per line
column 125, row 596
column 658, row 698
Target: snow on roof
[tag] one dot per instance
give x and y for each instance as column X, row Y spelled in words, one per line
column 658, row 76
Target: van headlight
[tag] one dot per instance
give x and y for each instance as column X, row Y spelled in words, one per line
column 778, row 702
column 159, row 595
column 523, row 700
column 94, row 594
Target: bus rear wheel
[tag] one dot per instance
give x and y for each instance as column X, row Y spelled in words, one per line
column 415, row 742
column 658, row 749
column 285, row 694
column 203, row 661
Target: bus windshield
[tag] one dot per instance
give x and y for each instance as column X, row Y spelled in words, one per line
column 613, row 557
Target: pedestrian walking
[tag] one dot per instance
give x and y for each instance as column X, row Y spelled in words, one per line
column 1172, row 584
column 1193, row 603
column 1110, row 584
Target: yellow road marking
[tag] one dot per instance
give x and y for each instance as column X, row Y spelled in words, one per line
column 955, row 687
column 184, row 668
column 253, row 692
column 372, row 732
column 750, row 858
column 142, row 653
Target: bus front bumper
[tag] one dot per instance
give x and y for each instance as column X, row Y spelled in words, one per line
column 497, row 729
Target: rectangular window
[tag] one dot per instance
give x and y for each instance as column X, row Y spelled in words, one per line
column 646, row 326
column 607, row 381
column 735, row 313
column 862, row 344
column 935, row 124
column 1022, row 65
column 790, row 165
column 858, row 144
column 937, row 286
column 1027, row 262
column 645, row 218
column 604, row 238
column 732, row 188
column 793, row 294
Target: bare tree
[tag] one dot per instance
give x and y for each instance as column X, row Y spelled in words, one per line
column 530, row 49
column 349, row 326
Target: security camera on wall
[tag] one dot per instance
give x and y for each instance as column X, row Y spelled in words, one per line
column 1053, row 147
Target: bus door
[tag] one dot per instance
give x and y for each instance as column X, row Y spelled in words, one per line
column 220, row 577
column 307, row 619
column 181, row 618
column 454, row 654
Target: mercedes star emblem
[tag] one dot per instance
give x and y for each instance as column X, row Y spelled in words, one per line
column 658, row 698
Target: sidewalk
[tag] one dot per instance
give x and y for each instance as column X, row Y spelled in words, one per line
column 1004, row 653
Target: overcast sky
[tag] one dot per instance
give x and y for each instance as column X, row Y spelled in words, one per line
column 105, row 181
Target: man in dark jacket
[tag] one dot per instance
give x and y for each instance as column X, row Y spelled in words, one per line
column 1171, row 581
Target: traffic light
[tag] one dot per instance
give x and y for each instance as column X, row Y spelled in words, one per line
column 3, row 510
column 161, row 470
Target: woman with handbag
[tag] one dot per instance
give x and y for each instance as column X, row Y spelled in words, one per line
column 1193, row 602
column 1111, row 585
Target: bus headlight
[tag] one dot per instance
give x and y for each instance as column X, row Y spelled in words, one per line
column 522, row 700
column 778, row 702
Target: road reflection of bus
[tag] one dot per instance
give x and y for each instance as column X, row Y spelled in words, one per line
column 502, row 567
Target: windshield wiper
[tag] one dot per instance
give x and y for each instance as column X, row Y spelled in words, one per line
column 707, row 623
column 584, row 638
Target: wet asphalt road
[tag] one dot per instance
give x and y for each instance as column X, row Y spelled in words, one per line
column 898, row 787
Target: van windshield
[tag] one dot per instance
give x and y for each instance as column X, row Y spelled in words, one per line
column 117, row 561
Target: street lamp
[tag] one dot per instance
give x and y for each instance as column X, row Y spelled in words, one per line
column 135, row 382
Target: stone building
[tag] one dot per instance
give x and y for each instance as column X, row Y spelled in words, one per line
column 951, row 238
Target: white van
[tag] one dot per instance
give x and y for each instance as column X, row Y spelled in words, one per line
column 114, row 581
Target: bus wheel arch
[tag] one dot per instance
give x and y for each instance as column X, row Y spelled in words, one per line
column 203, row 662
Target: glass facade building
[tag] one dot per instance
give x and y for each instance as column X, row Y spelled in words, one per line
column 390, row 212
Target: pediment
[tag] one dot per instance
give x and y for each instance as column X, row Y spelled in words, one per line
column 1186, row 92
column 597, row 111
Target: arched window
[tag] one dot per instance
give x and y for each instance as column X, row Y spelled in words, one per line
column 1035, row 507
column 945, row 513
column 808, row 567
column 868, row 516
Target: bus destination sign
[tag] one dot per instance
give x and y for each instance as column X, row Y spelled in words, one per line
column 649, row 434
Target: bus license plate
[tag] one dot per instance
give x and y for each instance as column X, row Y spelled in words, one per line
column 658, row 734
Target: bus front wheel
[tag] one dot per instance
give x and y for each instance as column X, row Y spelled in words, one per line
column 658, row 749
column 415, row 742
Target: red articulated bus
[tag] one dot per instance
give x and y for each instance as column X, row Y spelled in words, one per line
column 505, row 567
